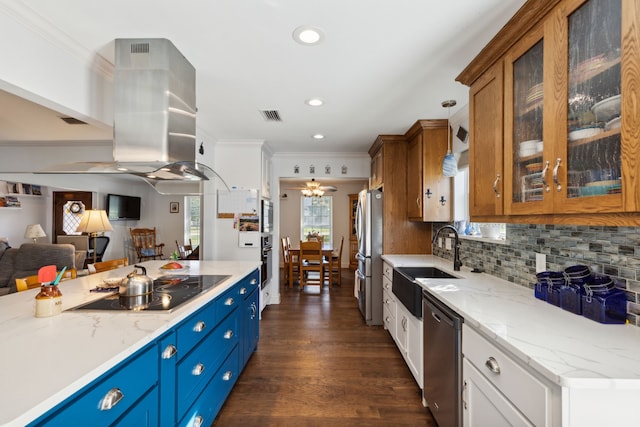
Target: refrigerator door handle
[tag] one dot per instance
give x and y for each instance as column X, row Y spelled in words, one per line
column 360, row 275
column 360, row 257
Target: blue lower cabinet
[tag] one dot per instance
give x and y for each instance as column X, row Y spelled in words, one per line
column 251, row 325
column 196, row 370
column 112, row 396
column 143, row 414
column 206, row 407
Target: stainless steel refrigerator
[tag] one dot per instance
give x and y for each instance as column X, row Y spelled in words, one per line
column 369, row 273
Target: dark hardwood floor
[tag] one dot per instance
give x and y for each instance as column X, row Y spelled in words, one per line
column 318, row 364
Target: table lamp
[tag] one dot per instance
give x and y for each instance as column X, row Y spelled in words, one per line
column 34, row 231
column 94, row 221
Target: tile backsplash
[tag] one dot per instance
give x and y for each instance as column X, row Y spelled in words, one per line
column 614, row 251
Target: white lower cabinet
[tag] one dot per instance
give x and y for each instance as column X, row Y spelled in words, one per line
column 498, row 391
column 405, row 328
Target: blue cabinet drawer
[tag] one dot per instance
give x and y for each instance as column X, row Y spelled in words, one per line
column 206, row 407
column 227, row 302
column 195, row 371
column 195, row 328
column 110, row 396
column 248, row 284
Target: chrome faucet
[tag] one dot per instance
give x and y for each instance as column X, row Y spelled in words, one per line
column 456, row 249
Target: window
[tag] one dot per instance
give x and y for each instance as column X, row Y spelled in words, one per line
column 192, row 220
column 315, row 217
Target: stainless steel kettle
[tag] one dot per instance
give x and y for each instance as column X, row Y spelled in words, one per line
column 136, row 290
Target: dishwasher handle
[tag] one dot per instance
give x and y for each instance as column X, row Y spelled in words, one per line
column 439, row 311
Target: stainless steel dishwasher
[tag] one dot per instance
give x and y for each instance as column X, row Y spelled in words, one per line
column 442, row 361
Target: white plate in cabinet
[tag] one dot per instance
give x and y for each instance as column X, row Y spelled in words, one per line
column 530, row 396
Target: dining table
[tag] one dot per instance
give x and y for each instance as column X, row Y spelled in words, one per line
column 294, row 252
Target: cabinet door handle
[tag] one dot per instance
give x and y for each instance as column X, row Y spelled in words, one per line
column 111, row 399
column 200, row 326
column 229, row 301
column 198, row 369
column 555, row 174
column 492, row 364
column 243, row 291
column 254, row 310
column 418, row 202
column 495, row 186
column 428, row 193
column 228, row 335
column 169, row 351
column 544, row 174
column 404, row 323
column 227, row 376
column 198, row 420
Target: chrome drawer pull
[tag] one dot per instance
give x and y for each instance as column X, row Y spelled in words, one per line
column 492, row 364
column 243, row 291
column 229, row 301
column 198, row 369
column 254, row 281
column 111, row 399
column 200, row 326
column 198, row 420
column 169, row 351
column 227, row 376
column 228, row 335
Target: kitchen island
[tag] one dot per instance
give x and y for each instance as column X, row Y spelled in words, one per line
column 45, row 361
column 590, row 372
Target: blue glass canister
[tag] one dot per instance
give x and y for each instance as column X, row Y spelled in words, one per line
column 577, row 276
column 548, row 285
column 603, row 302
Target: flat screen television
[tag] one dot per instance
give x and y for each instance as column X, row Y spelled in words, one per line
column 120, row 208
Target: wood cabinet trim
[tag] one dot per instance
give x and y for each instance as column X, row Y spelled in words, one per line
column 532, row 12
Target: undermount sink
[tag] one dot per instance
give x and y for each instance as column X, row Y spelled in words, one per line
column 425, row 273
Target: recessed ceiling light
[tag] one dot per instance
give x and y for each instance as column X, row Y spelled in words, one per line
column 308, row 35
column 314, row 102
column 318, row 136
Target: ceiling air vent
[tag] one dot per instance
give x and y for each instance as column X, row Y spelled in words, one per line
column 271, row 115
column 72, row 121
column 139, row 47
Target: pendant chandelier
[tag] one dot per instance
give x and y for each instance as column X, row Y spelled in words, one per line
column 313, row 189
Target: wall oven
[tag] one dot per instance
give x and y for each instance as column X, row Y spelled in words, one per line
column 266, row 251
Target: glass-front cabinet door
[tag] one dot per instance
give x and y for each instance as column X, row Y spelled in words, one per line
column 593, row 158
column 526, row 165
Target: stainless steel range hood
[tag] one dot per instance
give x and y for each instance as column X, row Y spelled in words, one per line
column 154, row 115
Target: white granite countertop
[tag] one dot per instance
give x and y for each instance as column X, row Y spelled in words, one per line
column 568, row 349
column 45, row 360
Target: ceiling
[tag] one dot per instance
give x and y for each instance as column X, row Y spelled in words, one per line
column 381, row 65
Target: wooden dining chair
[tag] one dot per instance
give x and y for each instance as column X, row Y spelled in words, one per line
column 335, row 275
column 288, row 267
column 112, row 264
column 311, row 264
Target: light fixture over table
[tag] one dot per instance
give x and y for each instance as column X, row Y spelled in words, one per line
column 94, row 221
column 313, row 189
column 449, row 163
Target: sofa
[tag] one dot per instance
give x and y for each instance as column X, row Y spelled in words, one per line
column 27, row 260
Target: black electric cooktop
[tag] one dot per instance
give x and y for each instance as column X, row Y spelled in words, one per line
column 168, row 292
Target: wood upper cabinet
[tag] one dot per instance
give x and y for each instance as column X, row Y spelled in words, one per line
column 428, row 190
column 376, row 179
column 565, row 119
column 399, row 235
column 486, row 178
